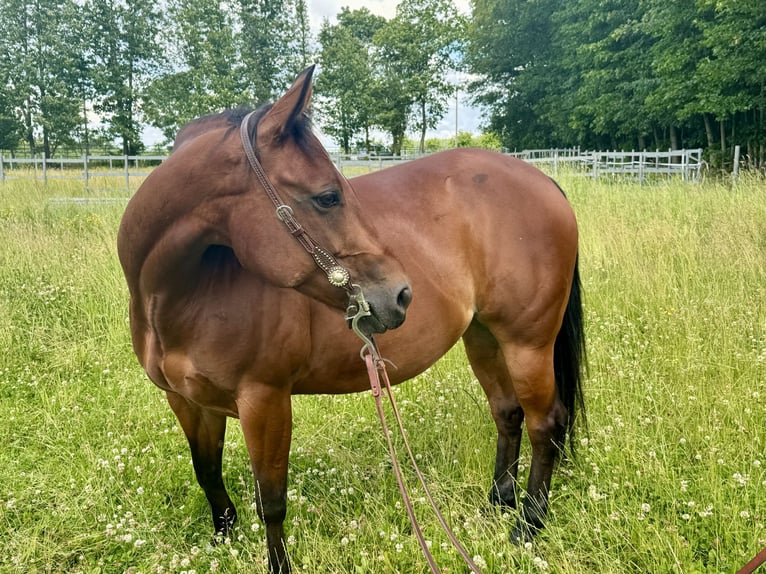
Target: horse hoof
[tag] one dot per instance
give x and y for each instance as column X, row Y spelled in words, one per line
column 523, row 533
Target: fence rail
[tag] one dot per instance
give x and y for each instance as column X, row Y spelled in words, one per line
column 85, row 168
column 686, row 164
column 641, row 165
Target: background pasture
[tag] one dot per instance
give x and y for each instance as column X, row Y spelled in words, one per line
column 95, row 474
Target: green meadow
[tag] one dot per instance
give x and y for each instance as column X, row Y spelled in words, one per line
column 95, row 473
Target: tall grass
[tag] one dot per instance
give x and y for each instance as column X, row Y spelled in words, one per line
column 95, row 475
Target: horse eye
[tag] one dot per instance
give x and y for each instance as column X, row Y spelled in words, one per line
column 327, row 200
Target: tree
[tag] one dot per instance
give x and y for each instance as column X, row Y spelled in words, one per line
column 613, row 60
column 37, row 50
column 614, row 74
column 204, row 74
column 676, row 50
column 10, row 126
column 274, row 45
column 733, row 76
column 345, row 85
column 419, row 45
column 515, row 48
column 123, row 46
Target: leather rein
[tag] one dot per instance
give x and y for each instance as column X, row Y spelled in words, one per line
column 339, row 276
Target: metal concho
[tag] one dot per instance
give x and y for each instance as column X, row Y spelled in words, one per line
column 338, row 276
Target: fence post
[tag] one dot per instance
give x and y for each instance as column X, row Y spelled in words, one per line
column 2, row 169
column 45, row 169
column 127, row 172
column 85, row 170
column 735, row 173
column 595, row 158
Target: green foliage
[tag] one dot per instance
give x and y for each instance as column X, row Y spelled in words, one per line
column 122, row 44
column 11, row 128
column 623, row 74
column 205, row 75
column 39, row 52
column 273, row 45
column 464, row 139
column 346, row 84
column 378, row 73
column 416, row 49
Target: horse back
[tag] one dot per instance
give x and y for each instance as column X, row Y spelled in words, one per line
column 488, row 234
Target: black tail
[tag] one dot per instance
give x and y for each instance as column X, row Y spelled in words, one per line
column 569, row 360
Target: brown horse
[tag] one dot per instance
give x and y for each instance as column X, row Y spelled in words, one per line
column 230, row 316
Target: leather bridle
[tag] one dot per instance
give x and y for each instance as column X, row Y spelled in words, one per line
column 337, row 275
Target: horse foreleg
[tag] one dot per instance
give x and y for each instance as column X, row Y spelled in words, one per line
column 266, row 416
column 488, row 364
column 205, row 431
column 534, row 382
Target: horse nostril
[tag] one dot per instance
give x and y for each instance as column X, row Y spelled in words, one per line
column 405, row 297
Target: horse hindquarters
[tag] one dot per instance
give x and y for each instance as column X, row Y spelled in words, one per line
column 539, row 384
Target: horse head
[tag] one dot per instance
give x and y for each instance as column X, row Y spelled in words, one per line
column 320, row 209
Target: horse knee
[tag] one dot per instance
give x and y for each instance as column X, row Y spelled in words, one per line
column 550, row 429
column 272, row 509
column 509, row 419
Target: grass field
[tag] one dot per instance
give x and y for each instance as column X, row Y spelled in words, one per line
column 95, row 474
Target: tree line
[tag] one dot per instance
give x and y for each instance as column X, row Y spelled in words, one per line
column 129, row 63
column 630, row 74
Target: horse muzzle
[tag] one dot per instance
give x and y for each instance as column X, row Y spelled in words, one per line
column 376, row 309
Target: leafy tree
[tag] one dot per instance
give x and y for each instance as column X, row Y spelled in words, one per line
column 37, row 49
column 393, row 104
column 615, row 74
column 123, row 46
column 515, row 49
column 204, row 74
column 274, row 44
column 419, row 45
column 10, row 126
column 676, row 50
column 346, row 81
column 733, row 78
column 301, row 43
column 613, row 61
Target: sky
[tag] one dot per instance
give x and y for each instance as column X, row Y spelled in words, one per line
column 467, row 119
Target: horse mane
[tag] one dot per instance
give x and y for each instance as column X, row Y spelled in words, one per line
column 300, row 129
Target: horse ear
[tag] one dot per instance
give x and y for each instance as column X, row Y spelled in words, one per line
column 288, row 109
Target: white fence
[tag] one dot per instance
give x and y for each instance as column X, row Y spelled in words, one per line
column 85, row 168
column 641, row 166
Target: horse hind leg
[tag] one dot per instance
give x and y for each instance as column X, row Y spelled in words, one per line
column 205, row 431
column 532, row 373
column 488, row 364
